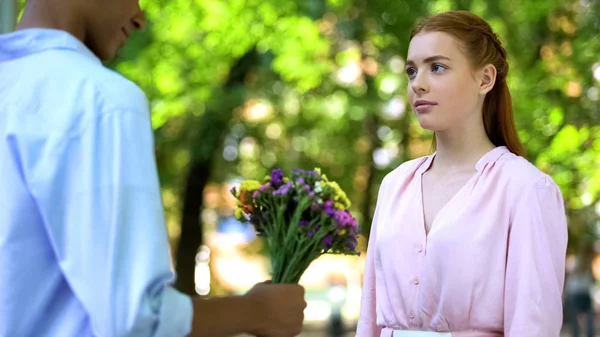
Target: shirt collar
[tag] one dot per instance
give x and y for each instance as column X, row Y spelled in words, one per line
column 31, row 41
column 489, row 158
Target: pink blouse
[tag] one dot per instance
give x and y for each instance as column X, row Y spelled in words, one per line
column 493, row 263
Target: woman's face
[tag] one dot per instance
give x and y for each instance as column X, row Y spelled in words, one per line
column 443, row 89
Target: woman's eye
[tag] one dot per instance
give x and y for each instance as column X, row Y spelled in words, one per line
column 411, row 72
column 437, row 68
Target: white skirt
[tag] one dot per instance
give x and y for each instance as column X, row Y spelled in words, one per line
column 404, row 333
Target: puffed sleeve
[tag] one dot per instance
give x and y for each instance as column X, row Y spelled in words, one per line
column 535, row 267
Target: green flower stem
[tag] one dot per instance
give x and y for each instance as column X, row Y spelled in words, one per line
column 299, row 263
column 302, row 257
column 293, row 226
column 295, row 258
column 302, row 268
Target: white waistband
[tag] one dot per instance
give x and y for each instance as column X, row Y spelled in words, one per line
column 404, row 333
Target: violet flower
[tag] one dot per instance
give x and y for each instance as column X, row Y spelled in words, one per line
column 276, row 176
column 283, row 189
column 328, row 241
column 329, row 208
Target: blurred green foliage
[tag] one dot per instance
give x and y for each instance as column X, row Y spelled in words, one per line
column 243, row 86
column 327, row 88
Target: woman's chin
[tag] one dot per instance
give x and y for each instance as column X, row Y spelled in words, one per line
column 427, row 124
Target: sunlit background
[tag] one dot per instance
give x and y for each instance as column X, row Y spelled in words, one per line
column 239, row 87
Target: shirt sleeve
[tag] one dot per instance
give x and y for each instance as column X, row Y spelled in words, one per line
column 98, row 194
column 536, row 263
column 367, row 322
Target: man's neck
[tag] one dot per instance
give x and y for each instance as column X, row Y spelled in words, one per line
column 51, row 15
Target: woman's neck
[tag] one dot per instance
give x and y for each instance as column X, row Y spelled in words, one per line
column 461, row 148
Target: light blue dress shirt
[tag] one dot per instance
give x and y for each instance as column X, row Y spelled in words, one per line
column 83, row 243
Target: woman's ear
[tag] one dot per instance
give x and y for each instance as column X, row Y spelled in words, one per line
column 488, row 79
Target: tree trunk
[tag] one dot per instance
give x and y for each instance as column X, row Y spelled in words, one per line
column 8, row 15
column 191, row 230
column 212, row 129
column 367, row 206
column 371, row 125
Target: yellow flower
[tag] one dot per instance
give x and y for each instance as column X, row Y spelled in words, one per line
column 238, row 213
column 286, row 179
column 340, row 197
column 323, row 176
column 250, row 185
column 267, row 178
column 344, row 200
column 343, row 231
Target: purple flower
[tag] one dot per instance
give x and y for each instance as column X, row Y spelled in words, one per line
column 307, row 188
column 263, row 187
column 309, row 233
column 299, row 171
column 255, row 194
column 329, row 208
column 311, row 194
column 328, row 241
column 283, row 189
column 350, row 246
column 300, row 181
column 276, row 176
column 345, row 219
column 233, row 190
column 304, row 223
column 312, row 173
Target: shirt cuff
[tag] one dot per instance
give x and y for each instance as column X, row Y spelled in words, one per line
column 175, row 314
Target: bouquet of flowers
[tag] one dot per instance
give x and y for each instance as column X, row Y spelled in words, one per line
column 301, row 217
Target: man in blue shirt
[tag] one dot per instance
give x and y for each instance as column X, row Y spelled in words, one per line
column 83, row 243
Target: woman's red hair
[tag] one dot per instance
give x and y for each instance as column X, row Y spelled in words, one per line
column 482, row 47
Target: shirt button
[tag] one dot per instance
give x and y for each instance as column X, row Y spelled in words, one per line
column 420, row 250
column 412, row 314
column 416, row 281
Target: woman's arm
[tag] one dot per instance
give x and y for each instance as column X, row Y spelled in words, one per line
column 535, row 265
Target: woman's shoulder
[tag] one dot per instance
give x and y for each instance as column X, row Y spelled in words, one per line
column 404, row 173
column 520, row 173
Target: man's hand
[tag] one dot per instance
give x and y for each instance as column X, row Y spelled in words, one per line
column 267, row 310
column 279, row 308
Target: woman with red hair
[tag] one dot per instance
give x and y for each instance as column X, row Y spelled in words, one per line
column 471, row 240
